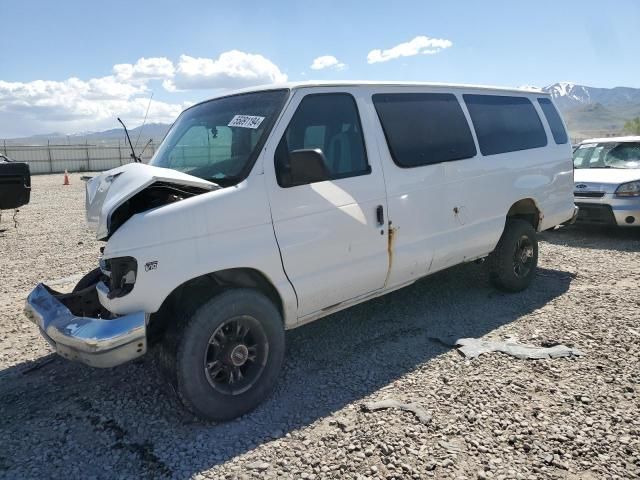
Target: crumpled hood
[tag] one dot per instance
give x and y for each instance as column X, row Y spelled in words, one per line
column 107, row 191
column 604, row 179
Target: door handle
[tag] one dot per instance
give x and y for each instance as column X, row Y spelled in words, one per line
column 380, row 215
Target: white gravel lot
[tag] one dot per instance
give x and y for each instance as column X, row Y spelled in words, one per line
column 493, row 417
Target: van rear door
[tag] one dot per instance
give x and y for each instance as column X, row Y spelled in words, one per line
column 420, row 133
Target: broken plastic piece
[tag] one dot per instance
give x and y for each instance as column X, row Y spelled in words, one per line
column 422, row 415
column 474, row 347
column 258, row 465
column 453, row 446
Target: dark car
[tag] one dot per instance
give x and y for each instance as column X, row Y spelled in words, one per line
column 15, row 183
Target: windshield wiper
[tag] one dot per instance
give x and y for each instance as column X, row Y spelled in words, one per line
column 133, row 155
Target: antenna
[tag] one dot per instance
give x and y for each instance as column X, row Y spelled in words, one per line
column 145, row 120
column 145, row 147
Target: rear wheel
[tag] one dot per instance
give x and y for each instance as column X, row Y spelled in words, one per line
column 229, row 353
column 512, row 265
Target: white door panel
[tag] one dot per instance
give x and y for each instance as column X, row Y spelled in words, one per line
column 333, row 254
column 415, row 209
column 332, row 247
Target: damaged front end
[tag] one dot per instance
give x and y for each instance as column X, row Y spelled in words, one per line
column 79, row 328
column 77, row 324
column 115, row 196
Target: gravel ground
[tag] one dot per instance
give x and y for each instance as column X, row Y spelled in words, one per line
column 493, row 417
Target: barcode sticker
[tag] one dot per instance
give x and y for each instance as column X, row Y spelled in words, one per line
column 246, row 121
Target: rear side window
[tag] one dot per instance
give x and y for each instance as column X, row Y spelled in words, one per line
column 329, row 122
column 505, row 124
column 555, row 122
column 424, row 128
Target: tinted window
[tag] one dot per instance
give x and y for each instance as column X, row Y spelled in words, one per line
column 554, row 120
column 424, row 128
column 329, row 122
column 505, row 124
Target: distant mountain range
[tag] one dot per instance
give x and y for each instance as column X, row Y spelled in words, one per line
column 593, row 112
column 153, row 131
column 588, row 111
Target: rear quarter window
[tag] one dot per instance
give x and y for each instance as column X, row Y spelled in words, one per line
column 505, row 124
column 424, row 128
column 554, row 120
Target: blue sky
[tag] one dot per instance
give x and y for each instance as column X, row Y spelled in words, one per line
column 485, row 42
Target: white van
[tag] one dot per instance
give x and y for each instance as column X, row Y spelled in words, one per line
column 270, row 208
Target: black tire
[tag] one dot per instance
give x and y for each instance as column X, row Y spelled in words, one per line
column 88, row 280
column 512, row 265
column 220, row 374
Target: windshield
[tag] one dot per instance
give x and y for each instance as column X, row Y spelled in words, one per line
column 219, row 140
column 607, row 155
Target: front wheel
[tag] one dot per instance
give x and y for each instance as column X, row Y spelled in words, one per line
column 512, row 265
column 229, row 354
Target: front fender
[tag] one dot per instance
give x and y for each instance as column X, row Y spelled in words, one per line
column 219, row 230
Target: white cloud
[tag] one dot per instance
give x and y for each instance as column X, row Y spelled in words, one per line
column 233, row 69
column 144, row 69
column 327, row 61
column 419, row 45
column 76, row 105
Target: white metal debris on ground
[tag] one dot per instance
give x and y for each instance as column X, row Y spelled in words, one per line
column 474, row 347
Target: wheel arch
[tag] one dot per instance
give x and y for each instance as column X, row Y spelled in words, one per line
column 190, row 295
column 526, row 209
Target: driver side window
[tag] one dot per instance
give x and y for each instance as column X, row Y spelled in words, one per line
column 328, row 122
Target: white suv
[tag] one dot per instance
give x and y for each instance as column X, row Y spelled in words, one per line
column 607, row 181
column 268, row 209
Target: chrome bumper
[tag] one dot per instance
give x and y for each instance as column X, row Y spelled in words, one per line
column 93, row 341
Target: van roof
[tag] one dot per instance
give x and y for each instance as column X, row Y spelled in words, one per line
column 358, row 83
column 611, row 140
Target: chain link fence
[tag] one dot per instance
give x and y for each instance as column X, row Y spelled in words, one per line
column 73, row 158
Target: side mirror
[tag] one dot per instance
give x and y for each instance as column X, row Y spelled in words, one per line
column 308, row 166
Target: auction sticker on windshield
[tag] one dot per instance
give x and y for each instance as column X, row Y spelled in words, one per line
column 246, row 121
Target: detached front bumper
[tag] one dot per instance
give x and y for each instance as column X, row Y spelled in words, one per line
column 96, row 342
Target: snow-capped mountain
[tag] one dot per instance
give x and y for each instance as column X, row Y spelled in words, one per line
column 593, row 112
column 568, row 95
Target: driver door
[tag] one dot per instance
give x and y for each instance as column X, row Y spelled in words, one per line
column 332, row 234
